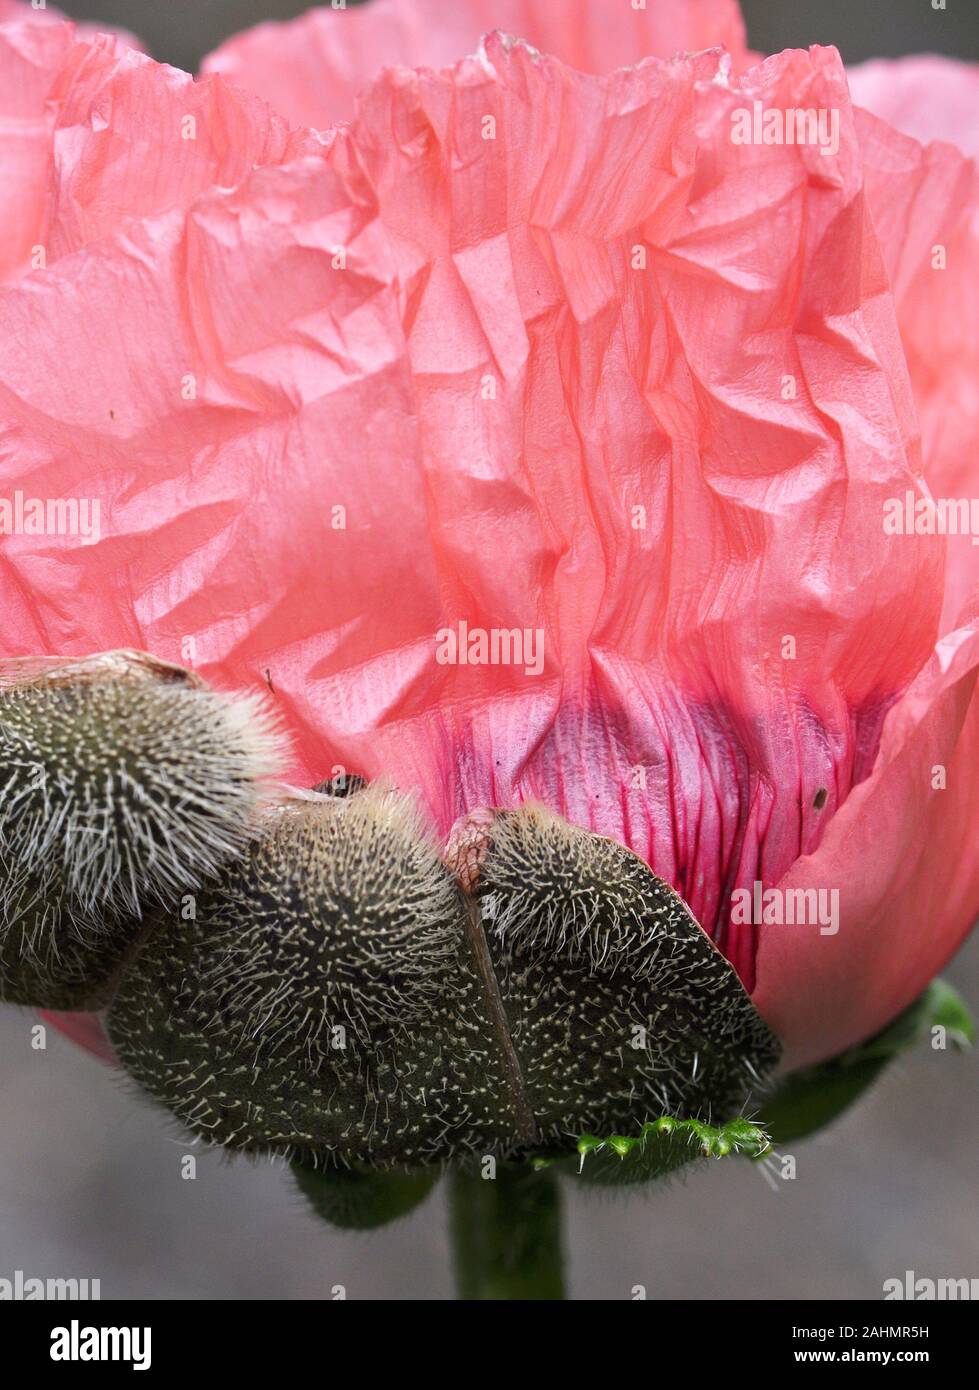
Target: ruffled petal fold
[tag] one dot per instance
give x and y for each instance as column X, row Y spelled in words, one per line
column 31, row 56
column 94, row 134
column 925, row 205
column 311, row 69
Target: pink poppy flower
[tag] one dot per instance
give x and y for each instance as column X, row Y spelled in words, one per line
column 545, row 359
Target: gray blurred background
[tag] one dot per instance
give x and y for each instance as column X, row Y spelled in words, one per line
column 90, row 1174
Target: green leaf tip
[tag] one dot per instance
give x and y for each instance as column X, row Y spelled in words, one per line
column 949, row 1010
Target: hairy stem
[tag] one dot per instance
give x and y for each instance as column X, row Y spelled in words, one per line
column 506, row 1234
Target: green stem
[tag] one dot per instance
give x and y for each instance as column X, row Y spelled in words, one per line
column 506, row 1234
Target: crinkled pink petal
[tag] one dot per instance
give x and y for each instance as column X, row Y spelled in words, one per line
column 31, row 56
column 902, row 854
column 532, row 374
column 930, row 98
column 925, row 204
column 312, row 68
column 93, row 134
column 133, row 138
column 86, row 1030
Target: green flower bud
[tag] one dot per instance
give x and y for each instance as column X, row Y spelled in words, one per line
column 619, row 1004
column 339, row 999
column 323, row 1001
column 123, row 782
